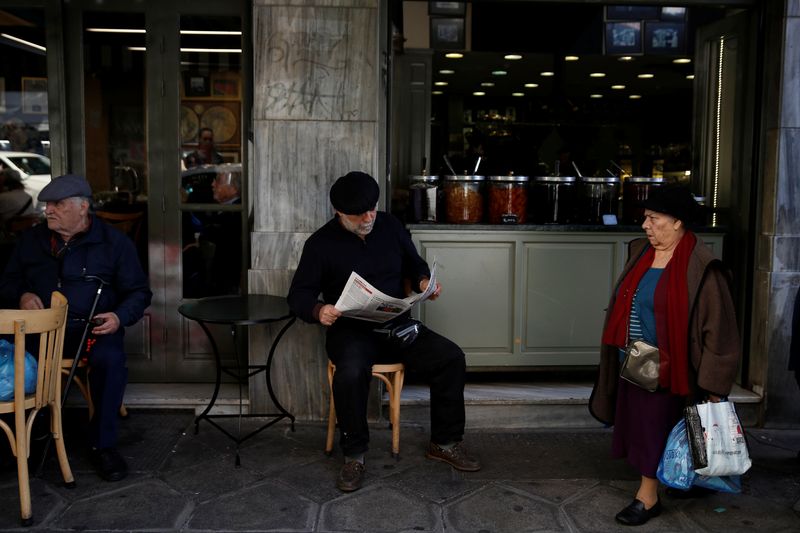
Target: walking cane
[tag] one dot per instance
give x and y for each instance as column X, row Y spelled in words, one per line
column 78, row 352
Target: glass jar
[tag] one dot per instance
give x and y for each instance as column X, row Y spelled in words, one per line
column 636, row 190
column 508, row 199
column 553, row 199
column 463, row 198
column 424, row 199
column 598, row 196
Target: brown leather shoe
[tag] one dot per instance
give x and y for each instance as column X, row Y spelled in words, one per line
column 458, row 457
column 351, row 476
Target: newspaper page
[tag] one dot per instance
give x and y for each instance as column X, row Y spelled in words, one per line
column 360, row 299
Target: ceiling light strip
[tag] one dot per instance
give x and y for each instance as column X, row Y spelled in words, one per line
column 717, row 127
column 23, row 42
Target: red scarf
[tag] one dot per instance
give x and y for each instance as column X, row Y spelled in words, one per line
column 671, row 312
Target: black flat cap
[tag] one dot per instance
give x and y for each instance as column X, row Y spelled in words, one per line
column 355, row 193
column 65, row 186
column 674, row 200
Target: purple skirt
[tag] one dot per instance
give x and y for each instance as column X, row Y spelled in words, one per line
column 642, row 424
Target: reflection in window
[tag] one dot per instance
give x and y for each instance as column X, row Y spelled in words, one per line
column 24, row 124
column 212, row 240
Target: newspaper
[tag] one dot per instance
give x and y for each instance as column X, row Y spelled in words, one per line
column 361, row 300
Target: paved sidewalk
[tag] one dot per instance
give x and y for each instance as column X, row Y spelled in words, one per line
column 533, row 480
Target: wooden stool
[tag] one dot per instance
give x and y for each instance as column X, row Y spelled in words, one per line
column 392, row 376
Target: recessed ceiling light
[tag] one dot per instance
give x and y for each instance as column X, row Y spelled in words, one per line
column 597, row 74
column 625, row 58
column 646, row 76
column 617, row 87
column 499, row 73
column 634, row 96
column 682, row 60
column 454, row 55
column 517, row 94
column 512, row 57
column 437, row 93
column 548, row 73
column 595, row 96
column 571, row 58
column 690, row 77
column 531, row 85
column 447, row 72
column 440, row 83
column 487, row 84
column 479, row 93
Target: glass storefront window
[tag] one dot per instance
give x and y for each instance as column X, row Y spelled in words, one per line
column 211, row 155
column 24, row 122
column 115, row 102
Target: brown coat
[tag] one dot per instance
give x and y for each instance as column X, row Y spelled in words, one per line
column 714, row 347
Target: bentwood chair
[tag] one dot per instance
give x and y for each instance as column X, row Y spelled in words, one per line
column 392, row 376
column 49, row 325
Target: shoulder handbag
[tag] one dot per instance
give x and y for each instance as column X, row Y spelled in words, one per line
column 641, row 365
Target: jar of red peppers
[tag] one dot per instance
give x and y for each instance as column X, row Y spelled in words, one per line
column 463, row 199
column 508, row 199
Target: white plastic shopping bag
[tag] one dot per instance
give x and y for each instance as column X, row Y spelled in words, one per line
column 725, row 443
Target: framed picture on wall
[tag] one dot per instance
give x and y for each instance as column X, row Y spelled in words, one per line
column 225, row 86
column 631, row 13
column 447, row 8
column 195, row 85
column 665, row 38
column 34, row 96
column 447, row 33
column 623, row 38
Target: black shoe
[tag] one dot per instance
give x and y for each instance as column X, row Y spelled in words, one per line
column 456, row 456
column 351, row 476
column 109, row 464
column 635, row 514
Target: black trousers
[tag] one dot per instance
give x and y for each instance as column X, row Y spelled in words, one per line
column 438, row 360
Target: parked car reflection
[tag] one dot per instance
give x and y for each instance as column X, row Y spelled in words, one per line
column 33, row 169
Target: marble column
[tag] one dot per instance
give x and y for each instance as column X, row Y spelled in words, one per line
column 316, row 114
column 777, row 276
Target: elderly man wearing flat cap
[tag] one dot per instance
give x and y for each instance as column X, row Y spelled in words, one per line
column 72, row 253
column 376, row 246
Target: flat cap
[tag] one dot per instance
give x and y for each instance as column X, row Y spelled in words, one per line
column 355, row 193
column 65, row 186
column 673, row 200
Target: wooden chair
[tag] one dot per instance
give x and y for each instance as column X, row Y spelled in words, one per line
column 392, row 376
column 49, row 324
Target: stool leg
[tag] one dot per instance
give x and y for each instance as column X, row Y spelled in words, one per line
column 331, row 414
column 394, row 410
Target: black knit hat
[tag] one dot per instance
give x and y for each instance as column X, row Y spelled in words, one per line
column 355, row 193
column 674, row 200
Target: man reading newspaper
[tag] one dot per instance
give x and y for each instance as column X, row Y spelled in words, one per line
column 376, row 248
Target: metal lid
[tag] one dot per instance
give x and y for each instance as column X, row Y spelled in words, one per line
column 644, row 179
column 555, row 179
column 426, row 179
column 462, row 177
column 509, row 178
column 600, row 179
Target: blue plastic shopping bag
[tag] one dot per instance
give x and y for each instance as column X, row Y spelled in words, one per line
column 675, row 468
column 7, row 371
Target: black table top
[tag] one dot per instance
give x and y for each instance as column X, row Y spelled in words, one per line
column 237, row 310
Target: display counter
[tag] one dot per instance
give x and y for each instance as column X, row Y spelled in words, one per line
column 526, row 296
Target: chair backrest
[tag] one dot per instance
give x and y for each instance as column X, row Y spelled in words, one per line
column 128, row 223
column 49, row 324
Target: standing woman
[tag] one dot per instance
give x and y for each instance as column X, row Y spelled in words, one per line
column 674, row 294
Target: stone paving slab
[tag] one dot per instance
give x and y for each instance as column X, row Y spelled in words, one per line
column 532, row 480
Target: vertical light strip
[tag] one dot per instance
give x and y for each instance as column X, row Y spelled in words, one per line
column 715, row 193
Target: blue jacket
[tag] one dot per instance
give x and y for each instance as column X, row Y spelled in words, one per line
column 103, row 251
